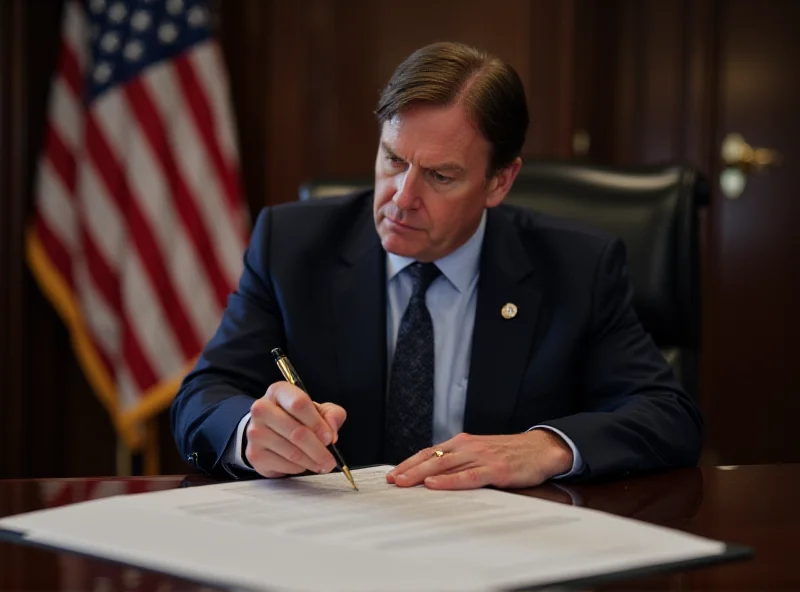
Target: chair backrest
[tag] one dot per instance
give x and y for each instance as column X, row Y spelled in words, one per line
column 319, row 189
column 653, row 209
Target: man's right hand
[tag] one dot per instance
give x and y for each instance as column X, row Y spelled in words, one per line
column 288, row 432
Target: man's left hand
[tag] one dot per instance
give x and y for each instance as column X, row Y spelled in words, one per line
column 470, row 462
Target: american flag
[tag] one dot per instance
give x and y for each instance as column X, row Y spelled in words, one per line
column 140, row 222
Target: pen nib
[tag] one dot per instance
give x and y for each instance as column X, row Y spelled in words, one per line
column 347, row 474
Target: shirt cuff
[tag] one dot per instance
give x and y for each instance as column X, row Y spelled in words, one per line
column 233, row 453
column 577, row 459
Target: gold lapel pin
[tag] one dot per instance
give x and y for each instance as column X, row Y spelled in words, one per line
column 509, row 310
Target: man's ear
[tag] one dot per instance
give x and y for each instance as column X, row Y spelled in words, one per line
column 501, row 182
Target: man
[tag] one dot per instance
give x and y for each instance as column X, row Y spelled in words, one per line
column 468, row 342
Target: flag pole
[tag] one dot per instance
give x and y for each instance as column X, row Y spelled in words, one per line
column 151, row 456
column 124, row 459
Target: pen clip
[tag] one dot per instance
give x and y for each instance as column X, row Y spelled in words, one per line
column 286, row 368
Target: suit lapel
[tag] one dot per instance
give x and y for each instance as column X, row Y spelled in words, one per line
column 500, row 347
column 359, row 308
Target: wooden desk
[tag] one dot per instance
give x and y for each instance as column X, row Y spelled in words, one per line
column 751, row 505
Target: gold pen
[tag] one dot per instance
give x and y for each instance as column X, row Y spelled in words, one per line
column 290, row 374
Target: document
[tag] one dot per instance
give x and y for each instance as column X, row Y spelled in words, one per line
column 317, row 533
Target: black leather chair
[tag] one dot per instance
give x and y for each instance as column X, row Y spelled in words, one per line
column 653, row 209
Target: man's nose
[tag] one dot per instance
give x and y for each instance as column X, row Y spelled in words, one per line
column 406, row 189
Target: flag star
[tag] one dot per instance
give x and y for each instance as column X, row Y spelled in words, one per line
column 167, row 32
column 141, row 20
column 102, row 73
column 110, row 42
column 133, row 51
column 97, row 6
column 117, row 12
column 174, row 7
column 197, row 16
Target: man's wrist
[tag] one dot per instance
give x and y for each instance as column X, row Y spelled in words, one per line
column 577, row 460
column 559, row 456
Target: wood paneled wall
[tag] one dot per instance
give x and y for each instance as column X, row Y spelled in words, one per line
column 11, row 216
column 645, row 80
column 306, row 76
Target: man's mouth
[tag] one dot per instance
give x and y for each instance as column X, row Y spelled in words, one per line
column 400, row 224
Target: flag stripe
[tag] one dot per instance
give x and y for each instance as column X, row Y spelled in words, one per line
column 155, row 201
column 135, row 359
column 200, row 304
column 113, row 178
column 154, row 130
column 101, row 273
column 61, row 159
column 102, row 220
column 76, row 32
column 69, row 69
column 210, row 70
column 112, row 116
column 58, row 208
column 205, row 119
column 67, row 118
column 159, row 348
column 101, row 324
column 197, row 170
column 55, row 249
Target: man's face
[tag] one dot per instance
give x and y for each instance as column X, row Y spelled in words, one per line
column 430, row 182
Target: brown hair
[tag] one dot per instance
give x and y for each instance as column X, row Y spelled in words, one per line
column 445, row 73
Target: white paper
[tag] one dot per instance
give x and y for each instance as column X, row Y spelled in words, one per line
column 314, row 533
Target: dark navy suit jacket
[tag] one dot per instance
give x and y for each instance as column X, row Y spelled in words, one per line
column 575, row 356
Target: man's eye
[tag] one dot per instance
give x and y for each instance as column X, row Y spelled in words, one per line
column 440, row 178
column 394, row 159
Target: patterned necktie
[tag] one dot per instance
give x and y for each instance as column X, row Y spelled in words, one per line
column 409, row 413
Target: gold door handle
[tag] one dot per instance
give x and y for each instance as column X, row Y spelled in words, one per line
column 740, row 159
column 737, row 152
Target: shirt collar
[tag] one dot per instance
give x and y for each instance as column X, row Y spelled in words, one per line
column 460, row 267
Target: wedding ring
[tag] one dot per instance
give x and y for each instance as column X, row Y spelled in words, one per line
column 438, row 453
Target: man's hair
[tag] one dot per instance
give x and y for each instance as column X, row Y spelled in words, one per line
column 447, row 73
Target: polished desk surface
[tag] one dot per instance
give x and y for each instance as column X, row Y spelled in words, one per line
column 751, row 505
